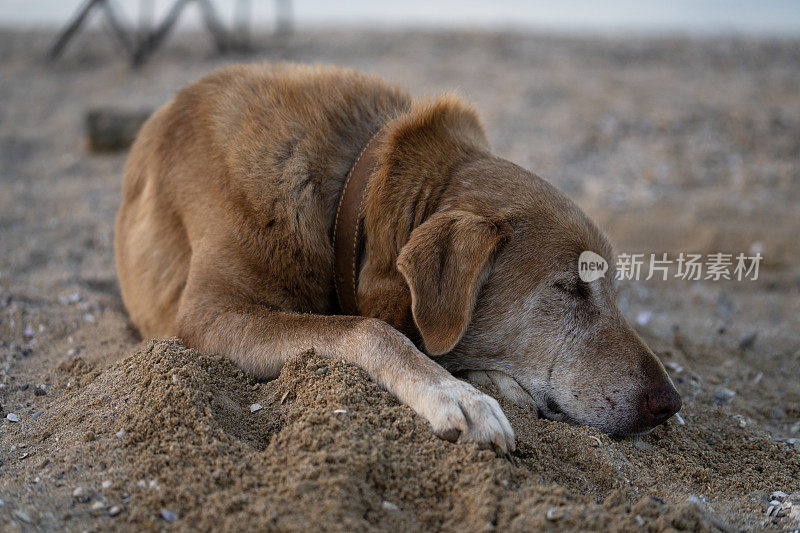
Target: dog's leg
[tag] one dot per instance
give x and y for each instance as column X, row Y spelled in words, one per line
column 505, row 385
column 259, row 340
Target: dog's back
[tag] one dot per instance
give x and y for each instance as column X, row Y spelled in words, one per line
column 255, row 154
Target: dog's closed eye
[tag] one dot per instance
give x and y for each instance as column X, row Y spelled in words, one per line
column 575, row 288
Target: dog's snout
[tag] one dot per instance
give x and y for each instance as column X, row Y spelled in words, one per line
column 661, row 402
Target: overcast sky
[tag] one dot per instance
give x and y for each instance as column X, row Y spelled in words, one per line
column 770, row 17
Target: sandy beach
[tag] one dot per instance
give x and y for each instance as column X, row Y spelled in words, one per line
column 671, row 144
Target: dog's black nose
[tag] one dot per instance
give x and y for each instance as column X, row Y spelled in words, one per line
column 662, row 402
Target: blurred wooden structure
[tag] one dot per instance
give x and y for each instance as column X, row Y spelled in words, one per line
column 140, row 43
column 154, row 39
column 112, row 17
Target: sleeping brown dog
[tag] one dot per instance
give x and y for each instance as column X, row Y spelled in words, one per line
column 454, row 259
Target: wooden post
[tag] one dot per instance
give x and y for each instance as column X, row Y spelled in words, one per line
column 283, row 17
column 111, row 129
column 113, row 19
column 154, row 40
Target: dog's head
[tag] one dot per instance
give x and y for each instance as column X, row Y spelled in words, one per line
column 495, row 285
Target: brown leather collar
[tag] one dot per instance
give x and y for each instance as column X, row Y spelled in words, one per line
column 347, row 227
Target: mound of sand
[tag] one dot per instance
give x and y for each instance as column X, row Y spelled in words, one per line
column 169, row 435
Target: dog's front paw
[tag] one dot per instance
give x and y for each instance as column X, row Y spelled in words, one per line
column 505, row 385
column 457, row 411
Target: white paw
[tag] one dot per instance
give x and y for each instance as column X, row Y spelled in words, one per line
column 506, row 386
column 457, row 411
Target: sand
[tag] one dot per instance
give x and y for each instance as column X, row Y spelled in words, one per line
column 672, row 144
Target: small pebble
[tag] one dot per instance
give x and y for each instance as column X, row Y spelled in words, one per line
column 120, row 433
column 554, row 514
column 321, row 371
column 115, row 510
column 39, row 391
column 389, row 506
column 97, row 505
column 79, row 493
column 781, row 509
column 37, row 414
column 641, row 445
column 256, row 407
column 675, row 367
column 777, row 413
column 12, row 417
column 680, row 419
column 723, row 395
column 644, row 317
column 25, row 517
column 694, row 499
column 340, row 411
column 741, row 419
column 28, row 333
column 106, row 484
column 75, row 297
column 168, row 515
column 748, row 341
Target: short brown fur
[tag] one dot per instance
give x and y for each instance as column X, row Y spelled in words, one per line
column 223, row 238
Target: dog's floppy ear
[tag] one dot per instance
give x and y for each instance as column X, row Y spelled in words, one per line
column 445, row 262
